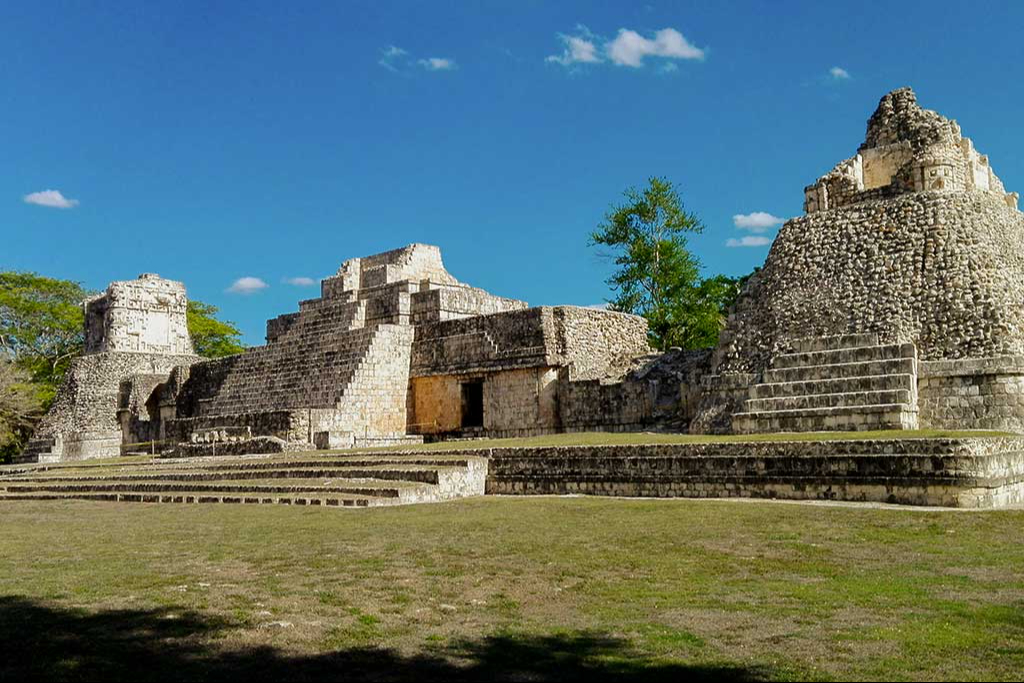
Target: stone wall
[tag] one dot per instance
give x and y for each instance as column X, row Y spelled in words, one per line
column 980, row 393
column 543, row 370
column 594, row 343
column 499, row 341
column 946, row 472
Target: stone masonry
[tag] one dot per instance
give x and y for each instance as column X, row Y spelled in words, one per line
column 136, row 327
column 394, row 350
column 908, row 254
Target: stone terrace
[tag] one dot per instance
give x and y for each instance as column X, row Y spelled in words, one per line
column 970, row 472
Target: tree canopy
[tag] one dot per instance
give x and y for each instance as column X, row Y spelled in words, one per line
column 41, row 321
column 656, row 275
column 20, row 407
column 212, row 338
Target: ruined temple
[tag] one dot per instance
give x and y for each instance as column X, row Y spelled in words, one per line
column 135, row 329
column 395, row 350
column 895, row 301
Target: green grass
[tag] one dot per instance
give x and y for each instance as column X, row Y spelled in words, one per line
column 513, row 588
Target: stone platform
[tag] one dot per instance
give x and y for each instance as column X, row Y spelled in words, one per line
column 971, row 472
column 967, row 473
column 368, row 480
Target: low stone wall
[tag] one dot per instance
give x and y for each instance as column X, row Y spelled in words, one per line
column 975, row 393
column 972, row 472
column 288, row 425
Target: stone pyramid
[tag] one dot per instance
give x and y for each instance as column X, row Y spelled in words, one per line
column 913, row 239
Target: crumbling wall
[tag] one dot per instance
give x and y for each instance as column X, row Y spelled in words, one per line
column 595, row 343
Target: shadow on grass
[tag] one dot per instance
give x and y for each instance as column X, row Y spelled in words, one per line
column 44, row 642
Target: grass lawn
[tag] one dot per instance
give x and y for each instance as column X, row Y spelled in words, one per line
column 510, row 588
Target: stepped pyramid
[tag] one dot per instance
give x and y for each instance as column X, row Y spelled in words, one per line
column 340, row 365
column 913, row 240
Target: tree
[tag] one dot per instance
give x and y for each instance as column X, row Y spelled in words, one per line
column 212, row 338
column 41, row 323
column 657, row 276
column 705, row 308
column 20, row 408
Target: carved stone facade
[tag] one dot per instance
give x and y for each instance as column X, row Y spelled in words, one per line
column 146, row 315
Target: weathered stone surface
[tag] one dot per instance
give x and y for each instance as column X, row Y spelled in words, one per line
column 943, row 472
column 938, row 265
column 136, row 327
column 386, row 354
column 914, row 241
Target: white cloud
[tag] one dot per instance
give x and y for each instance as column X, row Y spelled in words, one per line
column 247, row 285
column 630, row 48
column 749, row 241
column 300, row 281
column 51, row 198
column 759, row 221
column 390, row 56
column 579, row 49
column 437, row 64
column 839, row 73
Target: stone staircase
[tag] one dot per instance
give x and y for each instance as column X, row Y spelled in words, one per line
column 839, row 383
column 363, row 480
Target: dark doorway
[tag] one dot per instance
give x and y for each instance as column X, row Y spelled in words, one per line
column 473, row 404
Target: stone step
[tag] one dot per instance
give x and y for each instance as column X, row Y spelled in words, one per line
column 422, row 475
column 846, row 355
column 255, row 465
column 403, row 480
column 835, row 400
column 841, row 418
column 329, row 500
column 835, row 385
column 892, row 366
column 838, row 341
column 379, row 489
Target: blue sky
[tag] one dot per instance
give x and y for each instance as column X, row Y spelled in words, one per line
column 210, row 142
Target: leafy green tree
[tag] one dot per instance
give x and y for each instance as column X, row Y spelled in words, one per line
column 705, row 308
column 656, row 274
column 20, row 408
column 212, row 338
column 41, row 323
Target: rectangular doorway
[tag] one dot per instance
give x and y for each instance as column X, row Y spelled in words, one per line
column 473, row 404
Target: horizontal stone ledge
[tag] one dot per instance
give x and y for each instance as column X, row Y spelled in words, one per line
column 918, row 481
column 930, row 447
column 992, row 365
